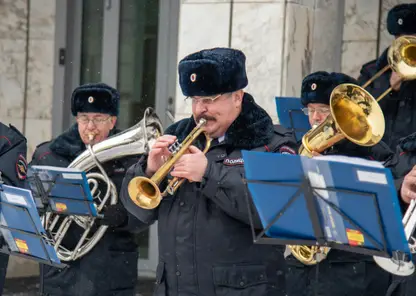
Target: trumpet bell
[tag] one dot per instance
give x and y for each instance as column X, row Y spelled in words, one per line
column 144, row 192
column 357, row 114
column 402, row 57
column 397, row 267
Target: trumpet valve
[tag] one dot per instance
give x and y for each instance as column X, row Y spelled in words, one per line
column 175, row 147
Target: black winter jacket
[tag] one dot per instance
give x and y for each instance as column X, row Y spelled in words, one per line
column 13, row 169
column 399, row 107
column 13, row 150
column 205, row 242
column 111, row 267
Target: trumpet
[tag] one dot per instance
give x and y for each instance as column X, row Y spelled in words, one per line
column 357, row 116
column 145, row 192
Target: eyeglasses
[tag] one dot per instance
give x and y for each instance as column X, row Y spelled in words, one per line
column 309, row 111
column 96, row 120
column 204, row 100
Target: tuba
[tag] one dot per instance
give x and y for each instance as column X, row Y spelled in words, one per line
column 356, row 116
column 136, row 140
column 145, row 192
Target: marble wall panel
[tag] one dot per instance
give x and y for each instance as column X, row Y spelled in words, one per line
column 259, row 32
column 12, row 77
column 40, row 79
column 297, row 62
column 201, row 26
column 13, row 23
column 327, row 35
column 355, row 54
column 361, row 20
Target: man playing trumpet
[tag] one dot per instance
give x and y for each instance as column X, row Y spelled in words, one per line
column 205, row 240
column 399, row 106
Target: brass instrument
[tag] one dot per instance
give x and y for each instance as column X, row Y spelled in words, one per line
column 356, row 116
column 399, row 265
column 134, row 141
column 145, row 192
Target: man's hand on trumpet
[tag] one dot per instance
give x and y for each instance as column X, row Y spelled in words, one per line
column 191, row 166
column 408, row 189
column 159, row 153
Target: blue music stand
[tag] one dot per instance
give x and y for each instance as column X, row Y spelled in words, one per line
column 21, row 228
column 344, row 203
column 64, row 191
column 291, row 116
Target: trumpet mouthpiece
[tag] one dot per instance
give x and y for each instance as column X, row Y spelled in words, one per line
column 91, row 137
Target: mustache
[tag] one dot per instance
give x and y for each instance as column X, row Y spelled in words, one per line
column 206, row 117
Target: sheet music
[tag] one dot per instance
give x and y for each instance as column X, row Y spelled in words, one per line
column 350, row 160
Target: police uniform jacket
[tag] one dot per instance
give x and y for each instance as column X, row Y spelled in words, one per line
column 13, row 169
column 399, row 107
column 111, row 267
column 205, row 241
column 13, row 149
column 342, row 272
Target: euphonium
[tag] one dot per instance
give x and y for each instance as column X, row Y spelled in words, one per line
column 357, row 116
column 134, row 141
column 145, row 192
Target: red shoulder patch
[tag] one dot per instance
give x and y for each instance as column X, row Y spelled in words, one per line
column 287, row 150
column 21, row 167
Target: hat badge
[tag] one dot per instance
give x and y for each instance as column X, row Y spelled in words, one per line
column 313, row 86
column 400, row 21
column 90, row 100
column 193, row 77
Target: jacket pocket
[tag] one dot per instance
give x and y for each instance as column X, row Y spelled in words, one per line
column 240, row 280
column 160, row 288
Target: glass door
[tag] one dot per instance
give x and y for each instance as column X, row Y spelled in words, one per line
column 120, row 47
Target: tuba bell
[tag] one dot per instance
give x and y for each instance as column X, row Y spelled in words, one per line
column 356, row 116
column 134, row 141
column 145, row 192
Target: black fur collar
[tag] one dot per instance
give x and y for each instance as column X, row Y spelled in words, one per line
column 69, row 143
column 252, row 128
column 408, row 143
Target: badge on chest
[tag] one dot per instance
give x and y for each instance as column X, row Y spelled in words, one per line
column 233, row 161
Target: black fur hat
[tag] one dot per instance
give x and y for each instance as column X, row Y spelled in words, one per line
column 95, row 97
column 401, row 19
column 317, row 87
column 212, row 72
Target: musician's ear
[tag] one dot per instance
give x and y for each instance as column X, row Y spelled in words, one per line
column 238, row 96
column 113, row 121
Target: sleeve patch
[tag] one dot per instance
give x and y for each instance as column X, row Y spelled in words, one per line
column 21, row 167
column 287, row 150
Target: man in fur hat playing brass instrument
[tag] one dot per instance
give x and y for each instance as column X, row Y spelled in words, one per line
column 341, row 272
column 399, row 106
column 110, row 268
column 205, row 240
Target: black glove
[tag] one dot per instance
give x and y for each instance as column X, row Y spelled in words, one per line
column 114, row 216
